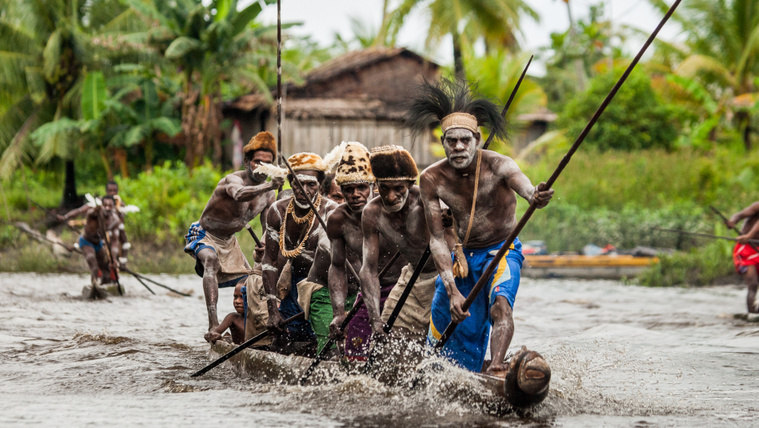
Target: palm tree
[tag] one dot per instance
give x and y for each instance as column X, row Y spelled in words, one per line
column 721, row 50
column 212, row 45
column 496, row 22
column 45, row 48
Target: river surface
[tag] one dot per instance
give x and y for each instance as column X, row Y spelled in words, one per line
column 620, row 355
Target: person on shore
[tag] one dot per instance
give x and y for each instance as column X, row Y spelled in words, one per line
column 234, row 321
column 293, row 234
column 745, row 254
column 101, row 224
column 397, row 216
column 238, row 198
column 480, row 188
column 356, row 180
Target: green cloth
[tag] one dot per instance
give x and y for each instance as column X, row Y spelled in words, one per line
column 321, row 314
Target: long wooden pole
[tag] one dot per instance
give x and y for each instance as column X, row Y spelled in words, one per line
column 751, row 242
column 511, row 98
column 531, row 209
column 725, row 220
column 279, row 80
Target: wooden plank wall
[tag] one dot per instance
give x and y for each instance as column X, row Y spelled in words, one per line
column 322, row 135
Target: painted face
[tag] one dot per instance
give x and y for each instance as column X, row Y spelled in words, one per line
column 394, row 194
column 335, row 194
column 259, row 157
column 238, row 302
column 111, row 189
column 356, row 195
column 460, row 146
column 310, row 182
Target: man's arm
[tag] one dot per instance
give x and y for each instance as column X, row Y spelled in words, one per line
column 270, row 269
column 522, row 185
column 438, row 246
column 338, row 281
column 368, row 276
column 74, row 213
column 747, row 212
column 237, row 190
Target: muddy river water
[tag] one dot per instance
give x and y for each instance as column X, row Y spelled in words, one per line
column 620, row 355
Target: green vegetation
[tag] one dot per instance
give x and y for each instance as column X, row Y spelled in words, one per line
column 132, row 89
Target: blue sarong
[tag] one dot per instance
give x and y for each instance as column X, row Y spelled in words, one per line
column 84, row 243
column 468, row 343
column 298, row 330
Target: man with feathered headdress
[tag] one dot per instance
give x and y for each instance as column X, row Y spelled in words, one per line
column 238, row 198
column 293, row 235
column 480, row 187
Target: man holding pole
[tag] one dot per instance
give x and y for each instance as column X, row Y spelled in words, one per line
column 480, row 187
column 238, row 198
column 745, row 254
column 293, row 235
column 354, row 176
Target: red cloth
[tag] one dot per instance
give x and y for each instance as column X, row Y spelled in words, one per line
column 744, row 256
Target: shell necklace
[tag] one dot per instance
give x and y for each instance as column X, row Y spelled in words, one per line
column 308, row 218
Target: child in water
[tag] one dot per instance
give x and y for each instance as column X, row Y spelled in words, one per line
column 234, row 321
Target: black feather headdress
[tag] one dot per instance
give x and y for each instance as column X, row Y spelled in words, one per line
column 434, row 102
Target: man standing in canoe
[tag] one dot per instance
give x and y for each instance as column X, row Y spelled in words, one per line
column 238, row 198
column 354, row 176
column 292, row 236
column 397, row 216
column 480, row 187
column 101, row 225
column 745, row 256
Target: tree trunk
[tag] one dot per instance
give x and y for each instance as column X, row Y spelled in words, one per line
column 458, row 61
column 70, row 198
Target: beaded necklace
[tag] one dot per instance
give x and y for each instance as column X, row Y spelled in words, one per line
column 310, row 217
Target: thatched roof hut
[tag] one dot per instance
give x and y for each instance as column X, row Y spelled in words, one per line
column 358, row 96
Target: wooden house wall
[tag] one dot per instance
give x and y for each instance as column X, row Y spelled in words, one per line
column 322, row 135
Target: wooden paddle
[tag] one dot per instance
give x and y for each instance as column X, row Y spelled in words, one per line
column 242, row 346
column 140, row 276
column 531, row 209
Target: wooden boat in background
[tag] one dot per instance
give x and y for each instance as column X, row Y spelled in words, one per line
column 586, row 267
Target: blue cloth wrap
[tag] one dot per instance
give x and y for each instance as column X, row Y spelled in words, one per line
column 84, row 243
column 298, row 330
column 468, row 343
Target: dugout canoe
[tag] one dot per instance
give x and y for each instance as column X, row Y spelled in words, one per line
column 524, row 385
column 586, row 267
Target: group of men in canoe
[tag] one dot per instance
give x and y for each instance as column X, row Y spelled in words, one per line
column 317, row 255
column 321, row 257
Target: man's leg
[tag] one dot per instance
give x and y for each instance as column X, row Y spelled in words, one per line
column 92, row 262
column 752, row 281
column 211, row 268
column 503, row 331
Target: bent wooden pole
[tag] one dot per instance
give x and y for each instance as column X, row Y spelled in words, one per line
column 137, row 275
column 242, row 346
column 531, row 209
